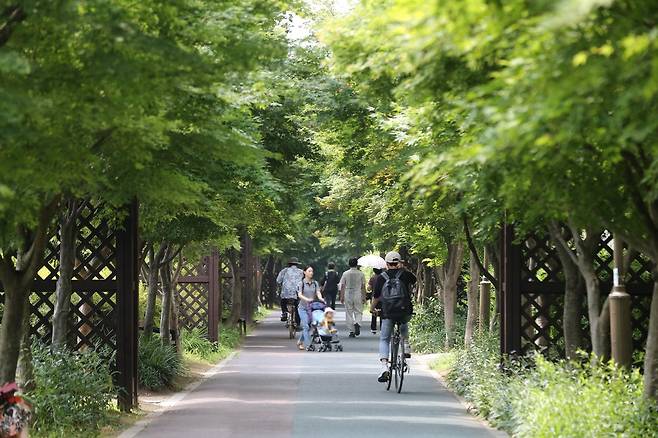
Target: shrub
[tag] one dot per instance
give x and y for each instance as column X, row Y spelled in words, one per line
column 477, row 376
column 73, row 392
column 196, row 345
column 427, row 329
column 539, row 398
column 158, row 365
column 580, row 399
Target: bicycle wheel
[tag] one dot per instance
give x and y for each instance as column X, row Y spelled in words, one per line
column 400, row 368
column 391, row 363
column 292, row 326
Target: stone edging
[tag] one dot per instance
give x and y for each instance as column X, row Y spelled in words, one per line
column 424, row 360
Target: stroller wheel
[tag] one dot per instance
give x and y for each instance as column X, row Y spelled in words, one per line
column 328, row 348
column 311, row 348
column 339, row 348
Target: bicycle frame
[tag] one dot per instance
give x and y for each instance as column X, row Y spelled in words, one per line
column 397, row 365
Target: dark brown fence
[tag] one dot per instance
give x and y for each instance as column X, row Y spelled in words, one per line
column 199, row 293
column 104, row 300
column 533, row 293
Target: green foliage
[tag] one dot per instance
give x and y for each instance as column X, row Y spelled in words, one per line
column 158, row 365
column 197, row 346
column 545, row 399
column 73, row 392
column 427, row 329
column 477, row 376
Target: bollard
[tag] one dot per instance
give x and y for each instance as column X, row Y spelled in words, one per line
column 485, row 305
column 621, row 339
column 620, row 326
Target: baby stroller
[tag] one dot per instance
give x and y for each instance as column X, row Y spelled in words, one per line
column 324, row 337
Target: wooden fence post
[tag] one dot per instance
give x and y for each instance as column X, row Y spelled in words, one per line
column 127, row 305
column 510, row 334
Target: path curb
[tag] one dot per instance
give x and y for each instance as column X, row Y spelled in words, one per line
column 175, row 398
column 424, row 361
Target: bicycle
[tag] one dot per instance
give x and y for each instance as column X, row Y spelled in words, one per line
column 291, row 323
column 397, row 364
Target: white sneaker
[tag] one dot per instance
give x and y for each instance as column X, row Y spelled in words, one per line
column 384, row 376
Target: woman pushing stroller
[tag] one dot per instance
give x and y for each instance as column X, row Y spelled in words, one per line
column 308, row 291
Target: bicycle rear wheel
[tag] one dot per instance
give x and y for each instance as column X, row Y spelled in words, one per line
column 292, row 327
column 400, row 368
column 392, row 361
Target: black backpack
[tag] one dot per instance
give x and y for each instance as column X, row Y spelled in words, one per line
column 395, row 298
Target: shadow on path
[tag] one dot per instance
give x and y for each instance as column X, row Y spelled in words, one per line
column 270, row 389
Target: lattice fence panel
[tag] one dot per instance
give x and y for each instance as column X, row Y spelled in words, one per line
column 95, row 319
column 194, row 305
column 542, row 293
column 541, row 324
column 193, row 291
column 95, row 304
column 225, row 283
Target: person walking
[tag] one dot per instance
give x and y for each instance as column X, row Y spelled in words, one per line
column 329, row 285
column 393, row 290
column 369, row 296
column 307, row 292
column 353, row 295
column 289, row 279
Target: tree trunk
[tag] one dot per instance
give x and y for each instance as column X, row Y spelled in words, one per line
column 592, row 285
column 494, row 253
column 473, row 292
column 67, row 234
column 155, row 259
column 17, row 278
column 165, row 315
column 175, row 302
column 259, row 282
column 651, row 356
column 427, row 283
column 573, row 300
column 25, row 369
column 11, row 329
column 248, row 293
column 451, row 270
column 236, row 285
column 598, row 315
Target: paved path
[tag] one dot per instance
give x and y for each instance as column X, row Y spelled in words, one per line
column 272, row 390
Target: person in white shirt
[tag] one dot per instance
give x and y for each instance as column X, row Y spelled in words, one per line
column 353, row 294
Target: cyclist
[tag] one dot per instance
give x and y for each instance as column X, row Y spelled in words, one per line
column 395, row 310
column 289, row 279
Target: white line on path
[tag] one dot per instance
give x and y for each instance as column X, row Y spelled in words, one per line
column 174, row 399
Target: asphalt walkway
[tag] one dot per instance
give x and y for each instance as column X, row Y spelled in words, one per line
column 270, row 390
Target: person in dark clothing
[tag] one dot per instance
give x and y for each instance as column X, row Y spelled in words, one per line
column 329, row 285
column 394, row 268
column 371, row 289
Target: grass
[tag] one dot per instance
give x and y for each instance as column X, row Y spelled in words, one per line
column 444, row 362
column 197, row 348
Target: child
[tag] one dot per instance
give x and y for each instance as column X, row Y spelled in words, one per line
column 328, row 326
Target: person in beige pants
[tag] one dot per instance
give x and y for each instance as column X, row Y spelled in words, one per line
column 353, row 294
